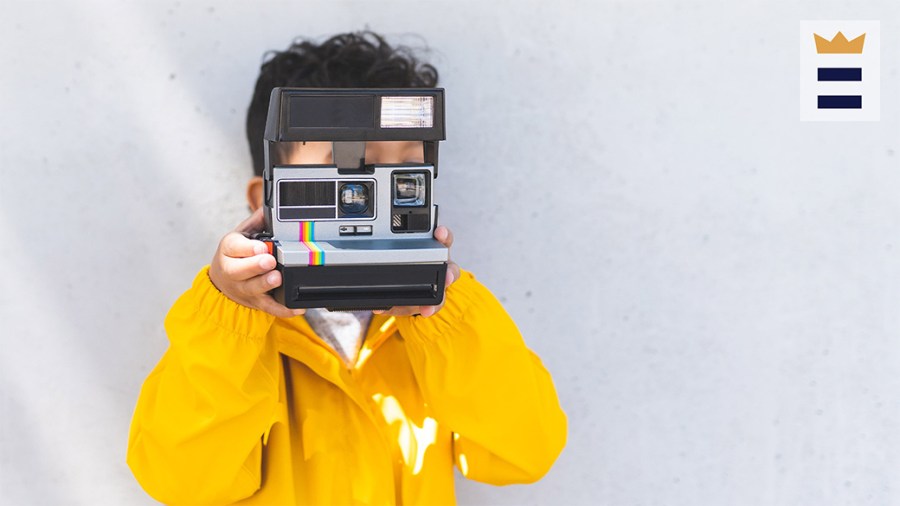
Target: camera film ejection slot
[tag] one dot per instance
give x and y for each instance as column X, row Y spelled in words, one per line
column 376, row 292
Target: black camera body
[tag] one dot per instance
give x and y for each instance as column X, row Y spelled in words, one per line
column 352, row 235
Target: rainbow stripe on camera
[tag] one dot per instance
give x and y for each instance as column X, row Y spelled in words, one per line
column 308, row 238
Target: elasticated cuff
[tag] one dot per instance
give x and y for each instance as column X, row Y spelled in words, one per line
column 463, row 298
column 208, row 302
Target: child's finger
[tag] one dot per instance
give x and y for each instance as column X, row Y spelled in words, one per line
column 403, row 311
column 254, row 223
column 235, row 245
column 453, row 273
column 241, row 269
column 427, row 311
column 269, row 305
column 261, row 284
column 444, row 236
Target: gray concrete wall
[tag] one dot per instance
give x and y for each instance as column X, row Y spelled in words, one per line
column 712, row 283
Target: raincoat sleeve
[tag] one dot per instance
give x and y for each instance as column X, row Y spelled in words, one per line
column 197, row 431
column 482, row 382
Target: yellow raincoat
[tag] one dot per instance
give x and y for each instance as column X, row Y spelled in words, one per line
column 245, row 407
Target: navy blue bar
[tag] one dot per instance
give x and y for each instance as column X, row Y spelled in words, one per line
column 840, row 74
column 840, row 102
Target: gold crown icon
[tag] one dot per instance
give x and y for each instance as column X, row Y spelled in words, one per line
column 839, row 44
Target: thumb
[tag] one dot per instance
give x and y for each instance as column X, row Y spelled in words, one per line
column 255, row 223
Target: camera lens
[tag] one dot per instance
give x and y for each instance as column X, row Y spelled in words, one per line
column 354, row 198
column 409, row 190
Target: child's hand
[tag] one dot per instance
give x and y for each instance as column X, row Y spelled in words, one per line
column 244, row 271
column 445, row 237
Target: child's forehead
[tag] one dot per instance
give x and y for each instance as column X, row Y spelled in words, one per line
column 378, row 151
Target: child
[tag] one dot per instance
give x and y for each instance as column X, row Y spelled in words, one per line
column 253, row 402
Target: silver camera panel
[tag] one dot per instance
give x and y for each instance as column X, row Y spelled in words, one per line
column 329, row 229
column 376, row 251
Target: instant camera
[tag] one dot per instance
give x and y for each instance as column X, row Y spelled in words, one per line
column 353, row 235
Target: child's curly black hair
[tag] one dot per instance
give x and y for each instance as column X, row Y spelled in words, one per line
column 350, row 60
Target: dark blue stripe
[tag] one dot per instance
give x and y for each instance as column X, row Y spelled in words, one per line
column 840, row 102
column 840, row 74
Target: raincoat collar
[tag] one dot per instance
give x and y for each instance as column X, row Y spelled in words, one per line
column 296, row 339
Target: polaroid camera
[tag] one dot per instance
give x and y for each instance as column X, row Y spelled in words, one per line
column 353, row 235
